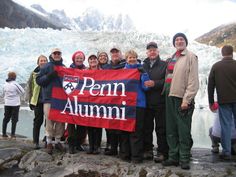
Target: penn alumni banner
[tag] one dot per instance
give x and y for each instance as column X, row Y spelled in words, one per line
column 96, row 98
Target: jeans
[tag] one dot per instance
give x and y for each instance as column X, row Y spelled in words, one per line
column 226, row 112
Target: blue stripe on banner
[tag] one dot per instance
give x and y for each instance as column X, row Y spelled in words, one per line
column 130, row 85
column 111, row 110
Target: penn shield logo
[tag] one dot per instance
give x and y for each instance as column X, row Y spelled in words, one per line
column 70, row 83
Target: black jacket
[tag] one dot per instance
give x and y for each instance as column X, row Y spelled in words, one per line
column 154, row 96
column 223, row 78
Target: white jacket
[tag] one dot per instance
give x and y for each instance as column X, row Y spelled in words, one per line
column 12, row 92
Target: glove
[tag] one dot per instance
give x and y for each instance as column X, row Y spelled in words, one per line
column 32, row 107
column 141, row 69
column 52, row 75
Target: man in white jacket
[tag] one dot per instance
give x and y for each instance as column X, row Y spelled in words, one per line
column 12, row 92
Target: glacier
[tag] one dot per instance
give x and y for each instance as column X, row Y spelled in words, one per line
column 19, row 49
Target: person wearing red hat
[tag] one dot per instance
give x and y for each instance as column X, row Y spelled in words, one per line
column 181, row 86
column 77, row 133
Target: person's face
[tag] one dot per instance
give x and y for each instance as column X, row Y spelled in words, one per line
column 42, row 61
column 56, row 56
column 131, row 59
column 180, row 43
column 152, row 53
column 102, row 59
column 79, row 60
column 93, row 62
column 115, row 56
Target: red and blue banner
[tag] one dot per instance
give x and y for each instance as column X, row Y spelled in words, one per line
column 96, row 98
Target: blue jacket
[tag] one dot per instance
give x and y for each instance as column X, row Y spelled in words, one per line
column 141, row 98
column 45, row 82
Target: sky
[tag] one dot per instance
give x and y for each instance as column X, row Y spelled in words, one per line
column 193, row 17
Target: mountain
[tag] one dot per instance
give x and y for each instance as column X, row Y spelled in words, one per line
column 220, row 36
column 91, row 20
column 13, row 15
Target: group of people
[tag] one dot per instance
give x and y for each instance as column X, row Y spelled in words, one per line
column 165, row 101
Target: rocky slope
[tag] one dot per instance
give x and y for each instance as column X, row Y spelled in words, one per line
column 18, row 159
column 220, row 36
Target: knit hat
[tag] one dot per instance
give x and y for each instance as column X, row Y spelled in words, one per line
column 180, row 35
column 77, row 53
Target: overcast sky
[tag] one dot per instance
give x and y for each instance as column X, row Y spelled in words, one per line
column 193, row 17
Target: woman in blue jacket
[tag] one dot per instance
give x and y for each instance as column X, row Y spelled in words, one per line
column 132, row 143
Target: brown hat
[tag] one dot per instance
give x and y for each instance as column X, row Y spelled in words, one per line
column 55, row 50
column 151, row 44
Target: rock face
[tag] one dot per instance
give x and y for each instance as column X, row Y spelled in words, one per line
column 18, row 159
column 220, row 36
column 13, row 15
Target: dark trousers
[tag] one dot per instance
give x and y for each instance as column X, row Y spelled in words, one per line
column 38, row 121
column 157, row 114
column 11, row 113
column 132, row 143
column 94, row 137
column 77, row 134
column 114, row 139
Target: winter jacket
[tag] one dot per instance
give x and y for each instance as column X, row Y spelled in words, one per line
column 120, row 65
column 223, row 78
column 12, row 92
column 46, row 82
column 141, row 97
column 77, row 67
column 155, row 98
column 185, row 82
column 34, row 90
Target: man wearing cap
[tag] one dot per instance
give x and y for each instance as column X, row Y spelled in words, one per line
column 116, row 60
column 46, row 77
column 114, row 135
column 181, row 86
column 155, row 110
column 223, row 78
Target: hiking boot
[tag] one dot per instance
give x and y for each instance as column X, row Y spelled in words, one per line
column 159, row 158
column 4, row 136
column 97, row 151
column 148, row 155
column 90, row 151
column 49, row 149
column 13, row 137
column 71, row 149
column 111, row 153
column 185, row 165
column 225, row 157
column 80, row 148
column 59, row 147
column 215, row 149
column 36, row 146
column 168, row 162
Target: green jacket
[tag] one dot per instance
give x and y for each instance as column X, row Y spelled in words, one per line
column 33, row 88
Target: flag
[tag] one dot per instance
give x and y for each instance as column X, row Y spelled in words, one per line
column 96, row 98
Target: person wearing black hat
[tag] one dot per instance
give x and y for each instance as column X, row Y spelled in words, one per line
column 155, row 109
column 181, row 86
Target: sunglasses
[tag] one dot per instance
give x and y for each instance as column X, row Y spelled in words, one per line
column 56, row 53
